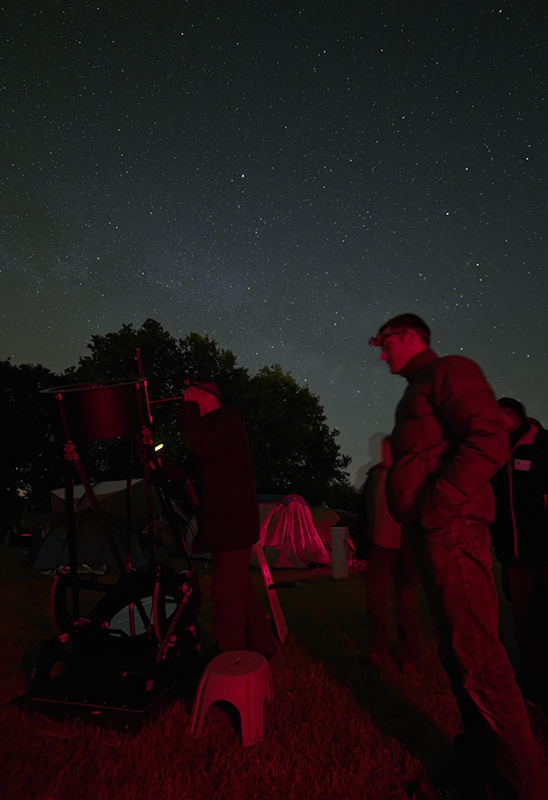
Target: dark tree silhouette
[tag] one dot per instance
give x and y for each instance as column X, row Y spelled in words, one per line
column 294, row 449
column 30, row 466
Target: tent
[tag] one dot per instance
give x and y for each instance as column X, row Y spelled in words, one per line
column 288, row 534
column 111, row 496
column 324, row 519
column 91, row 545
column 92, row 549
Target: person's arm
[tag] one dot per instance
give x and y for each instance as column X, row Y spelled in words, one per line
column 465, row 403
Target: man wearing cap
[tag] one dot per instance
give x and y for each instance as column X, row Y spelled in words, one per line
column 228, row 516
column 449, row 440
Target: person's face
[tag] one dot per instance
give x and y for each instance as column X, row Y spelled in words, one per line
column 397, row 349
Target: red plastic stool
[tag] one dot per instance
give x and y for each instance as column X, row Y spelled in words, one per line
column 239, row 677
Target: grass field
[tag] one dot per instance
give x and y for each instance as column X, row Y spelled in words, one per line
column 335, row 730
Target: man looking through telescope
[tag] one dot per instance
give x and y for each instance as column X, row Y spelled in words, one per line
column 228, row 516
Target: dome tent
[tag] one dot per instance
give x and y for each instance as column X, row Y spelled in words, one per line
column 288, row 534
column 91, row 545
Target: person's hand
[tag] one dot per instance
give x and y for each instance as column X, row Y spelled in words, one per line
column 191, row 395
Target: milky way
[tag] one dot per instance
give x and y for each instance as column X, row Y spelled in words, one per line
column 283, row 177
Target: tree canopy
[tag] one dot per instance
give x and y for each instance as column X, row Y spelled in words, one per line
column 167, row 363
column 30, row 465
column 294, row 449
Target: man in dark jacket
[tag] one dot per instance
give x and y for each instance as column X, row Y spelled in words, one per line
column 228, row 516
column 448, row 442
column 520, row 538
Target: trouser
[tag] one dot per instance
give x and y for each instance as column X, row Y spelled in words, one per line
column 459, row 585
column 527, row 590
column 384, row 565
column 239, row 619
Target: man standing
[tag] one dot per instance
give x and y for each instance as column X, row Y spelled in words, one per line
column 389, row 558
column 520, row 538
column 228, row 516
column 448, row 441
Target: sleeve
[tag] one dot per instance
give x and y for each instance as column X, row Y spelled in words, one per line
column 467, row 407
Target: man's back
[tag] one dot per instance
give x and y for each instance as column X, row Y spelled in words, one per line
column 229, row 512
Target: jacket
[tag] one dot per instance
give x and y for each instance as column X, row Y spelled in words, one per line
column 520, row 530
column 228, row 516
column 448, row 441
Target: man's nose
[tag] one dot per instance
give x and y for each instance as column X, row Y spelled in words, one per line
column 384, row 357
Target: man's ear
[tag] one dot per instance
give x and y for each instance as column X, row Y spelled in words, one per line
column 413, row 338
column 410, row 336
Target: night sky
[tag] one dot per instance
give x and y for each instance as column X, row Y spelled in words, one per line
column 283, row 177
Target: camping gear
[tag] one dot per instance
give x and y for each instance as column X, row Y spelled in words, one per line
column 239, row 677
column 324, row 518
column 51, row 551
column 288, row 535
column 92, row 550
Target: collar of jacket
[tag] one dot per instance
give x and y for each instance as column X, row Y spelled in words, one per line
column 418, row 362
column 530, row 435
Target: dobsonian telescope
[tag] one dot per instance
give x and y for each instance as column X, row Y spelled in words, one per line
column 124, row 642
